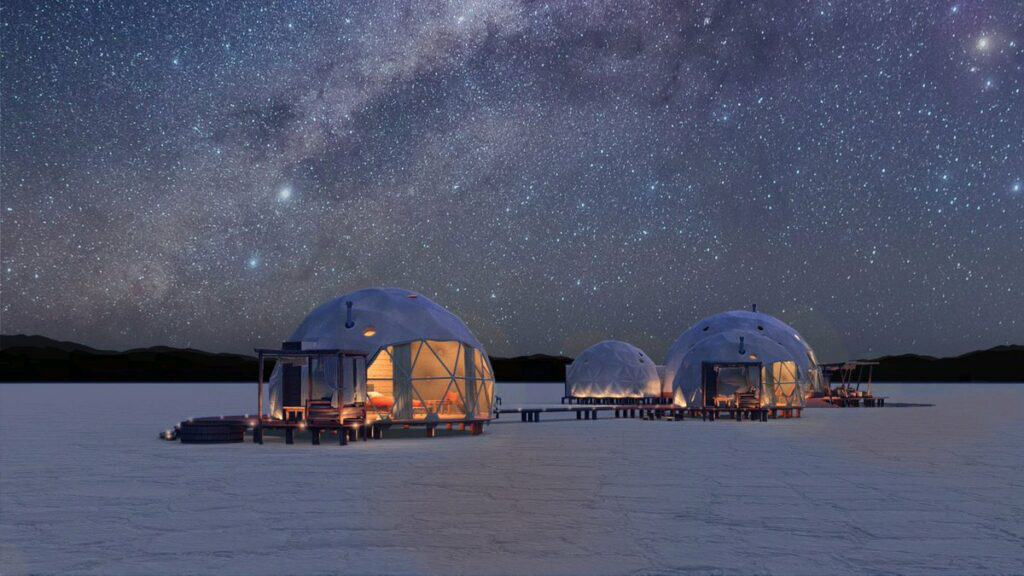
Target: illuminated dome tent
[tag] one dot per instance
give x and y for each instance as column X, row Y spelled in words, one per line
column 422, row 362
column 781, row 366
column 612, row 369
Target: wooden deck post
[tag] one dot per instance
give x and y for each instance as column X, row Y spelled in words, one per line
column 342, row 436
column 289, row 435
column 314, row 436
column 309, row 385
column 257, row 432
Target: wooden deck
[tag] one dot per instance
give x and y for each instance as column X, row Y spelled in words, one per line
column 856, row 401
column 639, row 401
column 225, row 429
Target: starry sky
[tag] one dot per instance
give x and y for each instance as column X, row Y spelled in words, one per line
column 555, row 173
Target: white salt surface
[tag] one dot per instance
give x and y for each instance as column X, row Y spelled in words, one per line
column 85, row 487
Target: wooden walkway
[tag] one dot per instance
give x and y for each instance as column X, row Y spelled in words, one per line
column 228, row 429
column 657, row 412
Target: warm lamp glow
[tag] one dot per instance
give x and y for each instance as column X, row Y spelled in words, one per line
column 369, row 332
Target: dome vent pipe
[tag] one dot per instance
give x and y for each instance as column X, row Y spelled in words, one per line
column 753, row 307
column 742, row 349
column 348, row 315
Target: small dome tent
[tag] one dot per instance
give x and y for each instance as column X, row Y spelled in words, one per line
column 612, row 369
column 788, row 365
column 422, row 363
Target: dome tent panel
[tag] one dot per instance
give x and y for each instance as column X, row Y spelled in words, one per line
column 393, row 314
column 422, row 361
column 612, row 369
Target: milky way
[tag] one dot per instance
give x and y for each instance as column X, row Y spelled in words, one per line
column 555, row 173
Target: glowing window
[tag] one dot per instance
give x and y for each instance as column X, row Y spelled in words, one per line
column 369, row 332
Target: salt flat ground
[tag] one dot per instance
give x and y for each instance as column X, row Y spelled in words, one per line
column 85, row 487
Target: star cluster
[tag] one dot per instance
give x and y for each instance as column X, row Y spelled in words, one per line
column 556, row 173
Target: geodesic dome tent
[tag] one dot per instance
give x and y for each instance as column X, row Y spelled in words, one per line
column 422, row 363
column 789, row 366
column 612, row 369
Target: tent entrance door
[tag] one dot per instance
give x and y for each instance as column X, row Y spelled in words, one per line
column 291, row 386
column 709, row 382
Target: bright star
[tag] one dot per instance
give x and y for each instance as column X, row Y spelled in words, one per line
column 284, row 194
column 984, row 43
column 253, row 262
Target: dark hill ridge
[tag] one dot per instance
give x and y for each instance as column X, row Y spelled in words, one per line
column 41, row 359
column 999, row 364
column 532, row 368
column 23, row 341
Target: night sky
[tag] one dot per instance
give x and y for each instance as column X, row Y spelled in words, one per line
column 555, row 173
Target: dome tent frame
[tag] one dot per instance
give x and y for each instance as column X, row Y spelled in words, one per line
column 789, row 370
column 436, row 370
column 612, row 370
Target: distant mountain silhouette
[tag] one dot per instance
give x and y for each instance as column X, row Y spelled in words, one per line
column 23, row 341
column 532, row 368
column 41, row 359
column 999, row 364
